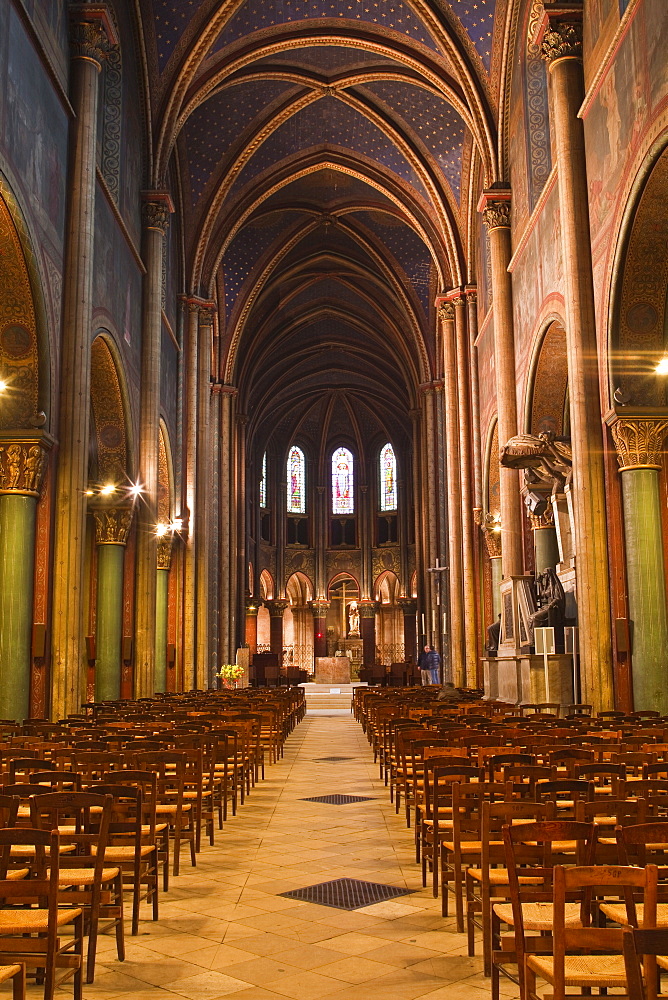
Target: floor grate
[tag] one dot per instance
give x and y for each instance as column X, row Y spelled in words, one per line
column 338, row 800
column 333, row 759
column 347, row 893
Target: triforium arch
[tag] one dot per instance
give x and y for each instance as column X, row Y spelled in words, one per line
column 111, row 506
column 24, row 454
column 638, row 421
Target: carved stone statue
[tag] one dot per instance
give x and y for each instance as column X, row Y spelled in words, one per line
column 546, row 459
column 353, row 620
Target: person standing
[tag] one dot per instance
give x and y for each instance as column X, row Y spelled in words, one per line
column 424, row 666
column 434, row 666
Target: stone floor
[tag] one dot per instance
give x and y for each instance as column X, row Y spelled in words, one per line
column 224, row 929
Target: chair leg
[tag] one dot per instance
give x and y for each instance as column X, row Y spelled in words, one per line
column 19, row 984
column 136, row 896
column 120, row 928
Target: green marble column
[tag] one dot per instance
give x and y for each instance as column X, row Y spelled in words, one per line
column 161, row 611
column 22, row 463
column 111, row 532
column 546, row 547
column 639, row 451
column 497, row 575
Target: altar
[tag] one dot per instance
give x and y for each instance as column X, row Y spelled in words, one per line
column 332, row 670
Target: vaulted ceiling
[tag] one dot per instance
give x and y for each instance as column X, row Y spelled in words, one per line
column 329, row 155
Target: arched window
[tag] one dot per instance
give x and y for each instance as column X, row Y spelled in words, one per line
column 263, row 482
column 388, row 478
column 343, row 498
column 296, row 481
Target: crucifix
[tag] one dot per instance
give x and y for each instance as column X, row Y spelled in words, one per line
column 438, row 569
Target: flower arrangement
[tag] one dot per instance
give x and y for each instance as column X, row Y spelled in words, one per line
column 230, row 673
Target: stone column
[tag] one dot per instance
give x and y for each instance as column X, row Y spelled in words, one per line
column 190, row 484
column 22, row 463
column 251, row 627
column 112, row 524
column 470, row 605
column 239, row 499
column 91, row 33
column 454, row 492
column 276, row 612
column 472, row 321
column 560, row 32
column 366, row 526
column 640, row 445
column 203, row 493
column 492, row 537
column 429, row 506
column 320, row 543
column 162, row 610
column 157, row 208
column 495, row 206
column 319, row 611
column 409, row 610
column 227, row 527
column 546, row 547
column 419, row 517
column 367, row 610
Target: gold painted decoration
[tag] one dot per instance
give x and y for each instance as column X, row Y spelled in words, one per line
column 112, row 525
column 22, row 465
column 496, row 215
column 446, row 311
column 367, row 609
column 639, row 442
column 563, row 40
column 164, row 491
column 108, row 415
column 19, row 366
column 277, row 607
column 165, row 551
column 319, row 608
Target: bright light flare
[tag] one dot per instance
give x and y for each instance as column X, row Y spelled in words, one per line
column 3, row 385
column 107, row 490
column 662, row 367
column 161, row 529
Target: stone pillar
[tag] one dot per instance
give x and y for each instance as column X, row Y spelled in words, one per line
column 227, row 525
column 157, row 207
column 492, row 537
column 22, row 463
column 640, row 445
column 560, row 32
column 409, row 610
column 495, row 206
column 366, row 524
column 367, row 610
column 91, row 33
column 190, row 484
column 319, row 611
column 470, row 604
column 203, row 494
column 239, row 498
column 546, row 547
column 112, row 524
column 162, row 610
column 454, row 493
column 276, row 611
column 251, row 627
column 419, row 517
column 472, row 321
column 320, row 544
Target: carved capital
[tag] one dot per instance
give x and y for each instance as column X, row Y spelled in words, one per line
column 156, row 209
column 92, row 32
column 165, row 551
column 639, row 442
column 319, row 608
column 491, row 529
column 496, row 214
column 408, row 606
column 545, row 520
column 22, row 465
column 493, row 542
column 112, row 524
column 446, row 312
column 562, row 40
column 277, row 607
column 367, row 609
column 252, row 609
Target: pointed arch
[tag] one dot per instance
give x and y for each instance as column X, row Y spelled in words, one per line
column 343, row 481
column 296, row 472
column 387, row 470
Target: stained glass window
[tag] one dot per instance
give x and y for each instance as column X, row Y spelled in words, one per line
column 343, row 501
column 296, row 481
column 388, row 478
column 263, row 482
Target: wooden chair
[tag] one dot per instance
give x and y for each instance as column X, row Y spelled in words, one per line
column 31, row 926
column 531, row 851
column 585, row 957
column 88, row 879
column 171, row 807
column 436, row 812
column 636, row 945
column 17, row 974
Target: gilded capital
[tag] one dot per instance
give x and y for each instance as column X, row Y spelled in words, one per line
column 545, row 520
column 408, row 606
column 112, row 524
column 165, row 551
column 367, row 609
column 22, row 465
column 562, row 40
column 493, row 542
column 490, row 526
column 156, row 209
column 639, row 442
column 319, row 608
column 446, row 311
column 92, row 32
column 496, row 214
column 277, row 607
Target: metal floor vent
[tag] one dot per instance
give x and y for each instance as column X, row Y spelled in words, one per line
column 339, row 800
column 332, row 759
column 347, row 893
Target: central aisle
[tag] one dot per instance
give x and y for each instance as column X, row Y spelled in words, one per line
column 225, row 930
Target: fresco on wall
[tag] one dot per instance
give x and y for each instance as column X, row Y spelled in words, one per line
column 168, row 381
column 50, row 20
column 617, row 118
column 34, row 133
column 656, row 46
